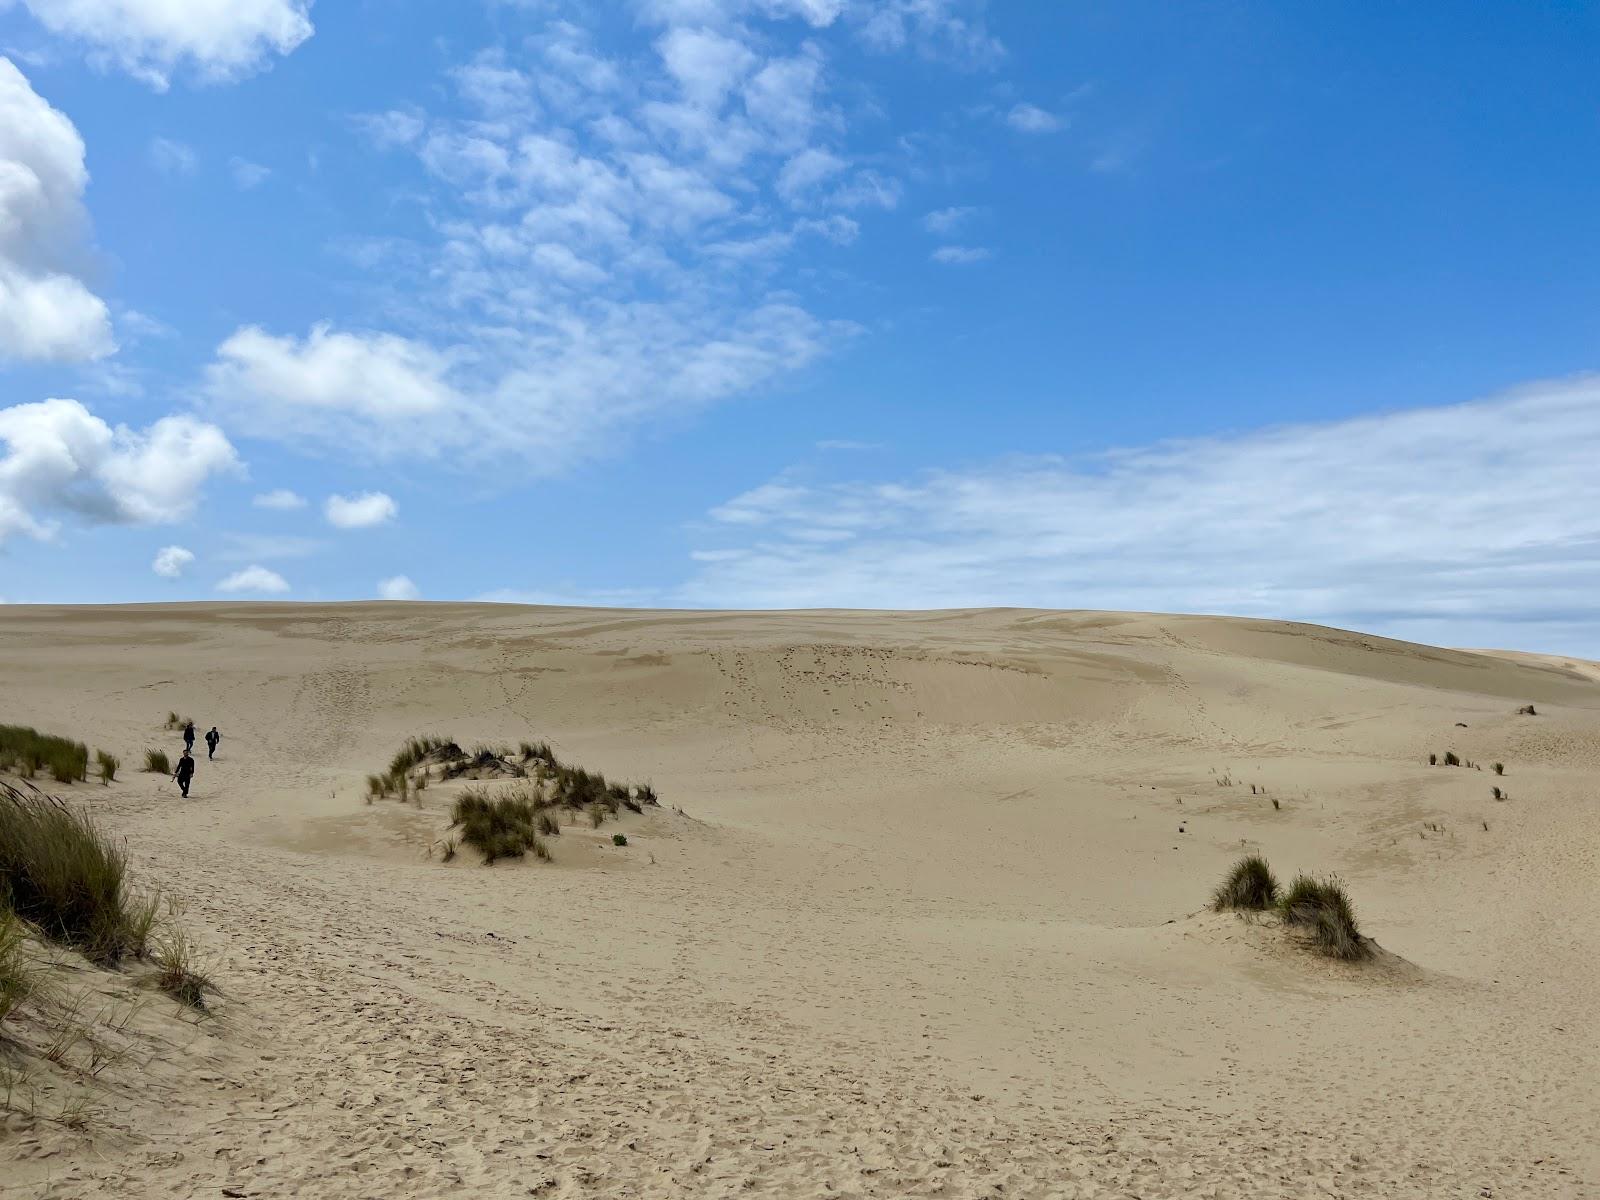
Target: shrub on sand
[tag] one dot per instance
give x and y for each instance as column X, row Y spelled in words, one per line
column 1250, row 885
column 156, row 762
column 548, row 825
column 1322, row 908
column 619, row 839
column 108, row 764
column 1499, row 768
column 1451, row 759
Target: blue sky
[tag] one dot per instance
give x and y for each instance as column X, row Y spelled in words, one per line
column 1245, row 308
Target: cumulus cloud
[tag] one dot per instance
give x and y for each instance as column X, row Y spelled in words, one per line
column 151, row 39
column 254, row 578
column 47, row 313
column 345, row 387
column 170, row 561
column 360, row 512
column 398, row 588
column 959, row 255
column 60, row 457
column 281, row 499
column 1474, row 524
column 1030, row 118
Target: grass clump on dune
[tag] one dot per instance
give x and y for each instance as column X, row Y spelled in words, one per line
column 28, row 752
column 156, row 762
column 1322, row 908
column 498, row 827
column 108, row 764
column 177, row 973
column 19, row 978
column 62, row 875
column 1249, row 886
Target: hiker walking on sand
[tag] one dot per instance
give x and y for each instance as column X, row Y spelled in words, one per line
column 188, row 737
column 212, row 738
column 184, row 773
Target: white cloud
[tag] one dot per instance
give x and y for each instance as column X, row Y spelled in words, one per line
column 281, row 499
column 254, row 578
column 606, row 245
column 360, row 512
column 150, row 39
column 247, row 174
column 390, row 129
column 1030, row 118
column 257, row 547
column 170, row 561
column 945, row 221
column 934, row 28
column 1475, row 524
column 61, row 457
column 959, row 255
column 706, row 65
column 172, row 157
column 805, row 171
column 398, row 588
column 47, row 314
column 349, row 387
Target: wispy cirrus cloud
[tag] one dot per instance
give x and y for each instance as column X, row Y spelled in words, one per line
column 959, row 256
column 611, row 228
column 1473, row 524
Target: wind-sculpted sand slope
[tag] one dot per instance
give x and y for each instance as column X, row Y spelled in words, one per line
column 930, row 922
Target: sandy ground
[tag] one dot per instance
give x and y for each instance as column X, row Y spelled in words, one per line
column 930, row 923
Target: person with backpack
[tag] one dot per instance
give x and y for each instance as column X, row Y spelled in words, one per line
column 212, row 738
column 184, row 773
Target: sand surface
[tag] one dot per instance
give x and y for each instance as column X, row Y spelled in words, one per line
column 926, row 926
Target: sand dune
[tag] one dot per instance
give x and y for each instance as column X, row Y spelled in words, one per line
column 926, row 925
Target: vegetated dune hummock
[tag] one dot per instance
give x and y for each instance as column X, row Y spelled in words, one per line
column 933, row 918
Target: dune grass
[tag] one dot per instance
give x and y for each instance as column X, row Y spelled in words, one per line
column 62, row 875
column 498, row 827
column 19, row 978
column 156, row 761
column 1249, row 886
column 177, row 972
column 27, row 751
column 108, row 764
column 1322, row 908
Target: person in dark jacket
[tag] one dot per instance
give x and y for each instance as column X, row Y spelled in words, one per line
column 185, row 772
column 212, row 738
column 188, row 736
